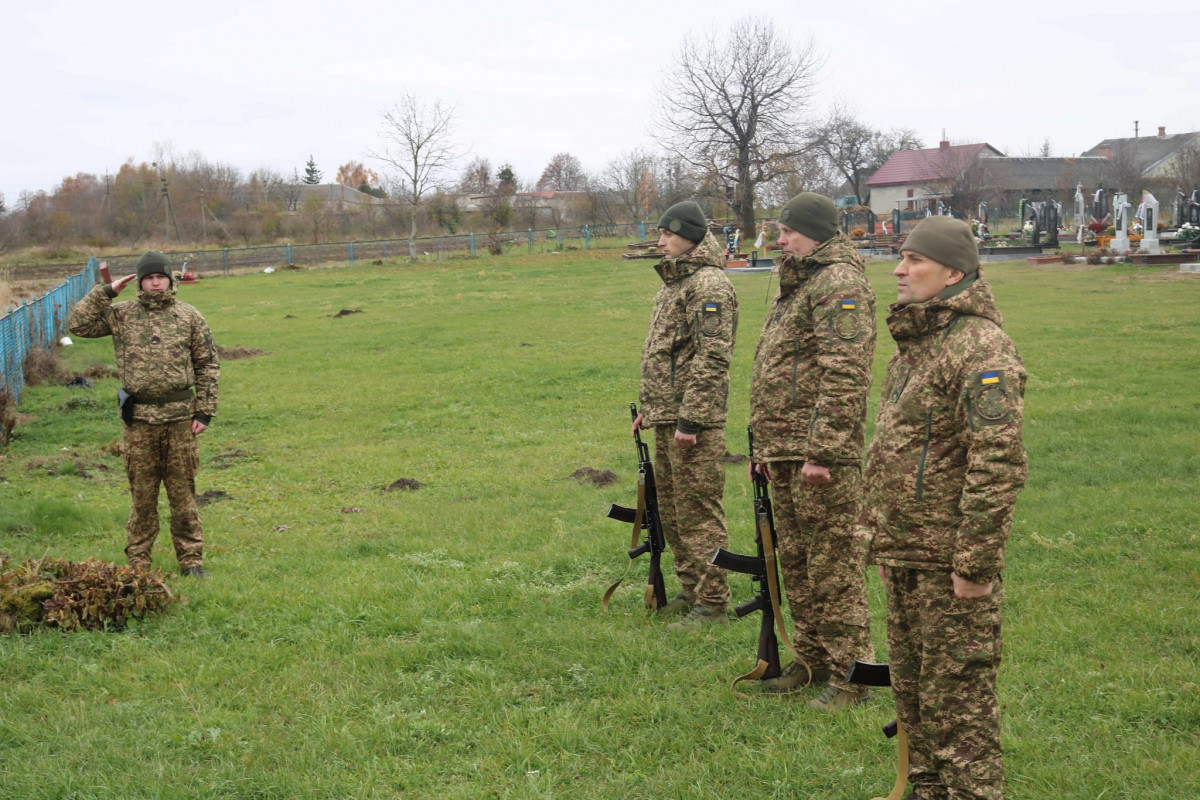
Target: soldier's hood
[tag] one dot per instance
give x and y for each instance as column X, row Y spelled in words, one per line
column 795, row 271
column 157, row 300
column 914, row 320
column 707, row 253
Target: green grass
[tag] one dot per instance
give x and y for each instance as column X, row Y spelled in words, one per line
column 448, row 642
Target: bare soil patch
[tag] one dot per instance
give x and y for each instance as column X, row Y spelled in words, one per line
column 212, row 496
column 734, row 458
column 407, row 484
column 225, row 460
column 234, row 353
column 345, row 312
column 595, row 477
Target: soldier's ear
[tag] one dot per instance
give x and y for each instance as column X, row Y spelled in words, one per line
column 956, row 275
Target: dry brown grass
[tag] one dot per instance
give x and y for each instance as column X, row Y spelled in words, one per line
column 42, row 366
column 6, row 291
column 8, row 417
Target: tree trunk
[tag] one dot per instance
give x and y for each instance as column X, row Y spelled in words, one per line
column 746, row 199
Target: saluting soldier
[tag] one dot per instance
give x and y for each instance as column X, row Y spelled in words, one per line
column 684, row 394
column 808, row 408
column 168, row 368
column 943, row 472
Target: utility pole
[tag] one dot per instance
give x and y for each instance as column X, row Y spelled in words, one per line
column 1135, row 129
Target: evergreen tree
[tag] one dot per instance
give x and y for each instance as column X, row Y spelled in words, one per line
column 312, row 175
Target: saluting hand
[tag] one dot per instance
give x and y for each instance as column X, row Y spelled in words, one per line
column 121, row 283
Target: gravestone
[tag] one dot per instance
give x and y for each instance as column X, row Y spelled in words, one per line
column 1149, row 213
column 1120, row 209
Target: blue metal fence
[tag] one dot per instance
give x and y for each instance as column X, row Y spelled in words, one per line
column 39, row 323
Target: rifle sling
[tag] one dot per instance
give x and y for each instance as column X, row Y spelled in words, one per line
column 768, row 540
column 901, row 765
column 638, row 515
column 752, row 675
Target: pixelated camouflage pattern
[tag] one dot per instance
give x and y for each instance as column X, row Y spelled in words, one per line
column 162, row 346
column 691, row 489
column 812, row 368
column 822, row 559
column 685, row 361
column 944, row 653
column 946, row 461
column 164, row 454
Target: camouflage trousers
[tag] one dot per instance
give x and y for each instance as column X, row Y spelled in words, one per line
column 691, row 490
column 944, row 653
column 823, row 557
column 162, row 454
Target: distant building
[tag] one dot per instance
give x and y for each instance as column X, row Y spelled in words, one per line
column 1146, row 156
column 916, row 179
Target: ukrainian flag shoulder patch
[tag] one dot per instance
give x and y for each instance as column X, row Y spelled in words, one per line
column 848, row 305
column 990, row 377
column 712, row 308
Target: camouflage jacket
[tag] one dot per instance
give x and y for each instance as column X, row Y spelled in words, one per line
column 946, row 460
column 685, row 361
column 812, row 369
column 162, row 346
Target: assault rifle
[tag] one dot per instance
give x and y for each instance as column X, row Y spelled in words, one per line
column 762, row 570
column 644, row 518
column 865, row 673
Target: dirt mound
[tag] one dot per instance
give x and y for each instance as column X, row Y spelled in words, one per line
column 345, row 312
column 212, row 496
column 733, row 458
column 234, row 353
column 408, row 484
column 595, row 477
column 100, row 371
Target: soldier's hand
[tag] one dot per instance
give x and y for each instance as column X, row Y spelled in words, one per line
column 966, row 590
column 198, row 427
column 121, row 283
column 637, row 423
column 815, row 474
column 761, row 469
column 684, row 440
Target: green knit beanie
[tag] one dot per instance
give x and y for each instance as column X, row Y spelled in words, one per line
column 153, row 263
column 949, row 242
column 685, row 219
column 811, row 214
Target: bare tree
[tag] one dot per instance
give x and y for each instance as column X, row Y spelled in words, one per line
column 477, row 177
column 732, row 106
column 963, row 178
column 630, row 178
column 564, row 173
column 855, row 150
column 418, row 143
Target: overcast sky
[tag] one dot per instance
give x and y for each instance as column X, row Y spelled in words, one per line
column 252, row 84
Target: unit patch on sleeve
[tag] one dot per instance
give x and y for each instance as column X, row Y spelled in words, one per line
column 987, row 398
column 844, row 318
column 710, row 319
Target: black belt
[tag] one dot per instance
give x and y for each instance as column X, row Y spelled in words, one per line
column 173, row 397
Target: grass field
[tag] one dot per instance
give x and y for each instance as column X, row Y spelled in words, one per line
column 448, row 641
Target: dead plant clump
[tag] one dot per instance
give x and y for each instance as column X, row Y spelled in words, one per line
column 234, row 353
column 43, row 366
column 84, row 595
column 6, row 292
column 100, row 371
column 8, row 416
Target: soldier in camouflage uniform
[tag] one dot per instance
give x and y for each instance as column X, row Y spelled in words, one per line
column 808, row 408
column 163, row 350
column 685, row 388
column 942, row 475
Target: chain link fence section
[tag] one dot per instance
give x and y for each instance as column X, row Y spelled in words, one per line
column 39, row 323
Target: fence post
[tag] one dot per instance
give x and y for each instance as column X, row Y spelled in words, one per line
column 442, row 248
column 587, row 237
column 529, row 234
column 289, row 253
column 472, row 245
column 225, row 261
column 351, row 246
column 642, row 226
